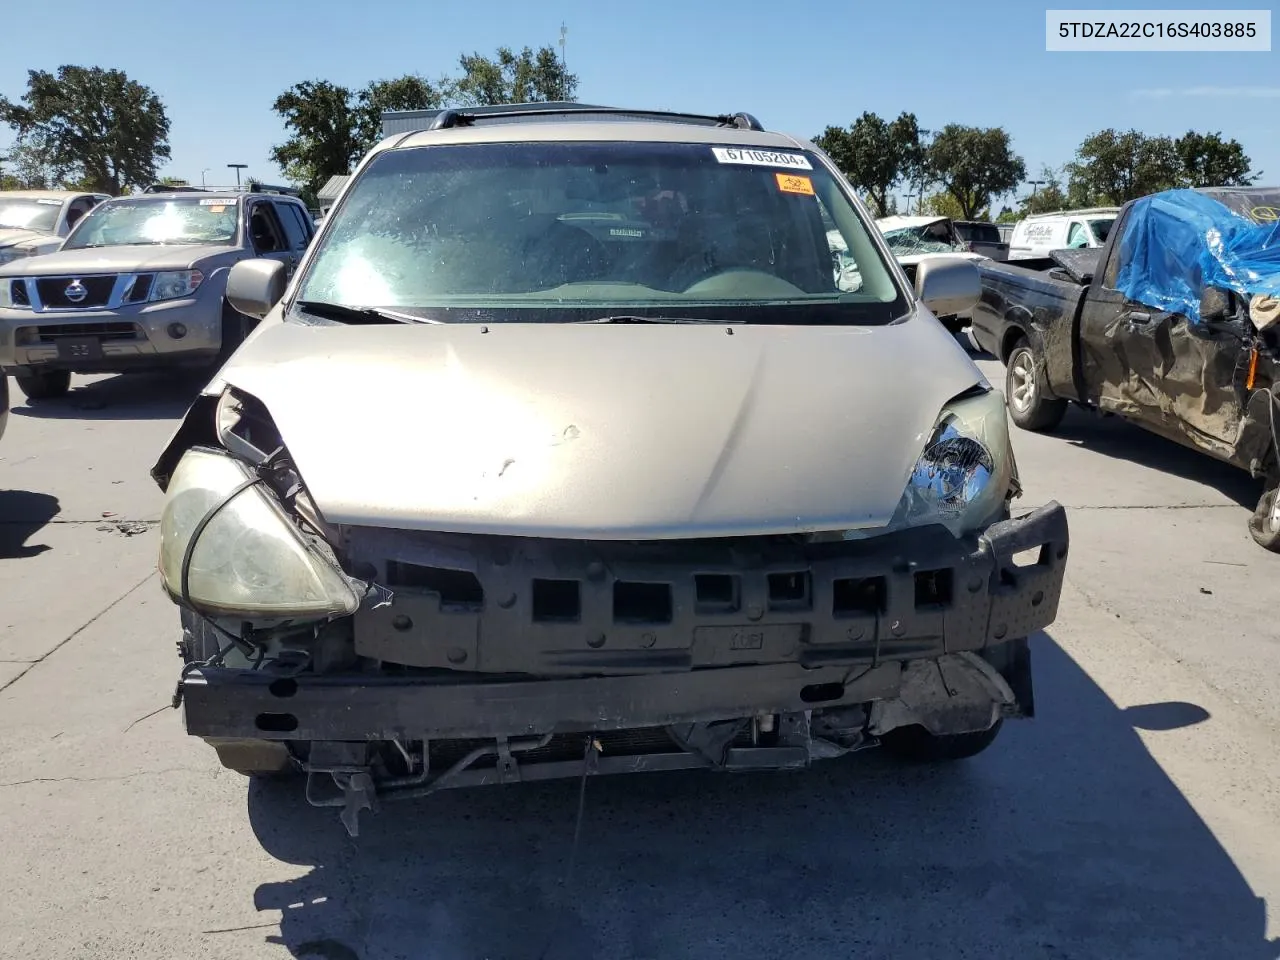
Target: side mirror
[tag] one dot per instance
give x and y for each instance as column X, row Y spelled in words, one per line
column 1215, row 304
column 948, row 285
column 255, row 286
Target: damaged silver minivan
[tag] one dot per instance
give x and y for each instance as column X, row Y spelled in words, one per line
column 563, row 452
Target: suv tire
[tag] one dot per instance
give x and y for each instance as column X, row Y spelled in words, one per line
column 1026, row 393
column 46, row 385
column 918, row 745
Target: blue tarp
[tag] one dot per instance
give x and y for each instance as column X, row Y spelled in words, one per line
column 1178, row 242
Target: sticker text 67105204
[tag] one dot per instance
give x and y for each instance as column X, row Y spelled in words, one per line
column 762, row 158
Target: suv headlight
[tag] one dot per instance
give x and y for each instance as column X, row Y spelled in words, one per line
column 9, row 254
column 249, row 560
column 966, row 469
column 172, row 284
column 6, row 290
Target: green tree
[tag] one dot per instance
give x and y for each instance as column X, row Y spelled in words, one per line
column 324, row 140
column 875, row 154
column 973, row 164
column 1112, row 167
column 1209, row 161
column 410, row 92
column 944, row 204
column 1008, row 215
column 509, row 77
column 1049, row 197
column 25, row 168
column 91, row 123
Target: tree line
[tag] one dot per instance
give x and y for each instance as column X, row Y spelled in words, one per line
column 89, row 128
column 958, row 170
column 95, row 129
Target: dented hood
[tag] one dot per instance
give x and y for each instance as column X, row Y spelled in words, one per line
column 605, row 431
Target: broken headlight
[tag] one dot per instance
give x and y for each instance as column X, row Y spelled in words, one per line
column 965, row 471
column 227, row 548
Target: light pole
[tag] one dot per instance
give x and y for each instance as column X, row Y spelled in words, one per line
column 564, row 65
column 237, row 167
column 202, row 173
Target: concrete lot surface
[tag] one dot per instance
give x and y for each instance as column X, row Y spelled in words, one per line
column 1138, row 816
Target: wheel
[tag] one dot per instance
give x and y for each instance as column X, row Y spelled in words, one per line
column 47, row 385
column 1030, row 407
column 235, row 327
column 1264, row 525
column 918, row 745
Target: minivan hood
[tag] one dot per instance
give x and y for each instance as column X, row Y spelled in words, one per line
column 604, row 431
column 125, row 258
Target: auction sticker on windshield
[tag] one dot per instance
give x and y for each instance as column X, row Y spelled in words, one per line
column 762, row 158
column 790, row 183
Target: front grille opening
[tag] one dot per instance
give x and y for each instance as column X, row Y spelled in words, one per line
column 717, row 592
column 140, row 289
column 858, row 596
column 641, row 602
column 556, row 601
column 933, row 588
column 459, row 590
column 112, row 330
column 790, row 591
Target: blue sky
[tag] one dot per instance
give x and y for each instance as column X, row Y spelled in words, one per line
column 799, row 65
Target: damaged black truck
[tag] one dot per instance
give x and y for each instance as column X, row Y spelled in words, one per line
column 1172, row 325
column 565, row 452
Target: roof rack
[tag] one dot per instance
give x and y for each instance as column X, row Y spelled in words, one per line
column 246, row 188
column 446, row 119
column 1063, row 213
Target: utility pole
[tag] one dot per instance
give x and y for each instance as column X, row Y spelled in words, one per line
column 564, row 65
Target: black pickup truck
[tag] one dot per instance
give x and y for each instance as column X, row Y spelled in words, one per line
column 1205, row 378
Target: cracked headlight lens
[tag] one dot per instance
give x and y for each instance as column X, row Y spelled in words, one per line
column 249, row 560
column 965, row 469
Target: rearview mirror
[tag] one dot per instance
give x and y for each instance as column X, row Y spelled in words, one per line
column 948, row 285
column 255, row 286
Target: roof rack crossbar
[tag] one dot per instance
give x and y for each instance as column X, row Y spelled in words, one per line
column 446, row 119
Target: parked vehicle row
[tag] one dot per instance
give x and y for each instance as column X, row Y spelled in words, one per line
column 34, row 222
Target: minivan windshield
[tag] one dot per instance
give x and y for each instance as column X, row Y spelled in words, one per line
column 40, row 216
column 565, row 231
column 184, row 220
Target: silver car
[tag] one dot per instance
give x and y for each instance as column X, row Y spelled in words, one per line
column 35, row 222
column 564, row 453
column 139, row 285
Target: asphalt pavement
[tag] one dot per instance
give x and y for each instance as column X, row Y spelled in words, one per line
column 1137, row 816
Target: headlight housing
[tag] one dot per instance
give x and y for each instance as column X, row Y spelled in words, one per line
column 966, row 469
column 249, row 560
column 6, row 290
column 9, row 254
column 172, row 284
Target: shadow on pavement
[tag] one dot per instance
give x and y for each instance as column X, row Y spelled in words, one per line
column 133, row 396
column 1113, row 437
column 23, row 514
column 1065, row 840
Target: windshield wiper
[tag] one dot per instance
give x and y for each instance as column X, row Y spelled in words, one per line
column 346, row 314
column 627, row 318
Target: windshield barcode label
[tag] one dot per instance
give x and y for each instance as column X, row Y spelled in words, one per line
column 762, row 158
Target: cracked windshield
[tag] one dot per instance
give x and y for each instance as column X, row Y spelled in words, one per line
column 535, row 484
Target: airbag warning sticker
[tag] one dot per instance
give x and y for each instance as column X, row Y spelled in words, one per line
column 790, row 183
column 762, row 158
